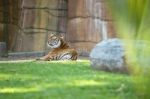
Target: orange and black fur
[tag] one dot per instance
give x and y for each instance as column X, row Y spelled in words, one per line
column 60, row 49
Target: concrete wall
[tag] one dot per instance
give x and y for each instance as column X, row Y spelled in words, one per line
column 82, row 22
column 9, row 21
column 89, row 22
column 39, row 18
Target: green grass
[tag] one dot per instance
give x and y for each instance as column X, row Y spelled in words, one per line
column 61, row 80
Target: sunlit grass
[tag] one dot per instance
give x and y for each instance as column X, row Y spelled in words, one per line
column 61, row 80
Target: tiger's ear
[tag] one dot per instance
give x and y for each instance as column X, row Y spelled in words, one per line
column 50, row 35
column 60, row 35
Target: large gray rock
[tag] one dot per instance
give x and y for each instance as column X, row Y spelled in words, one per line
column 109, row 55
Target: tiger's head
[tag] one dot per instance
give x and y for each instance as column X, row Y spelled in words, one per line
column 54, row 41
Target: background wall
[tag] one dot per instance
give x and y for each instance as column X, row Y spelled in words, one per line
column 82, row 22
column 9, row 21
column 89, row 22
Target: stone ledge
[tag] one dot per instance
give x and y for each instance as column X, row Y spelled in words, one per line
column 26, row 54
column 32, row 55
column 23, row 55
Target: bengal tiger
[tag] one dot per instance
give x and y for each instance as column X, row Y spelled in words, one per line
column 60, row 49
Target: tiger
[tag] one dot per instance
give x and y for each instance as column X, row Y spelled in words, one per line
column 60, row 49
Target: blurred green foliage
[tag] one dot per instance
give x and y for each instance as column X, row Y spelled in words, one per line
column 132, row 21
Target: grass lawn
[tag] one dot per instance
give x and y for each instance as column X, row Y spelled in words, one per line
column 61, row 80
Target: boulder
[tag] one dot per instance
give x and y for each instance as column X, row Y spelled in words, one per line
column 109, row 55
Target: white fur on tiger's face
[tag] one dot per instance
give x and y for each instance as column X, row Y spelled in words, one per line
column 54, row 41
